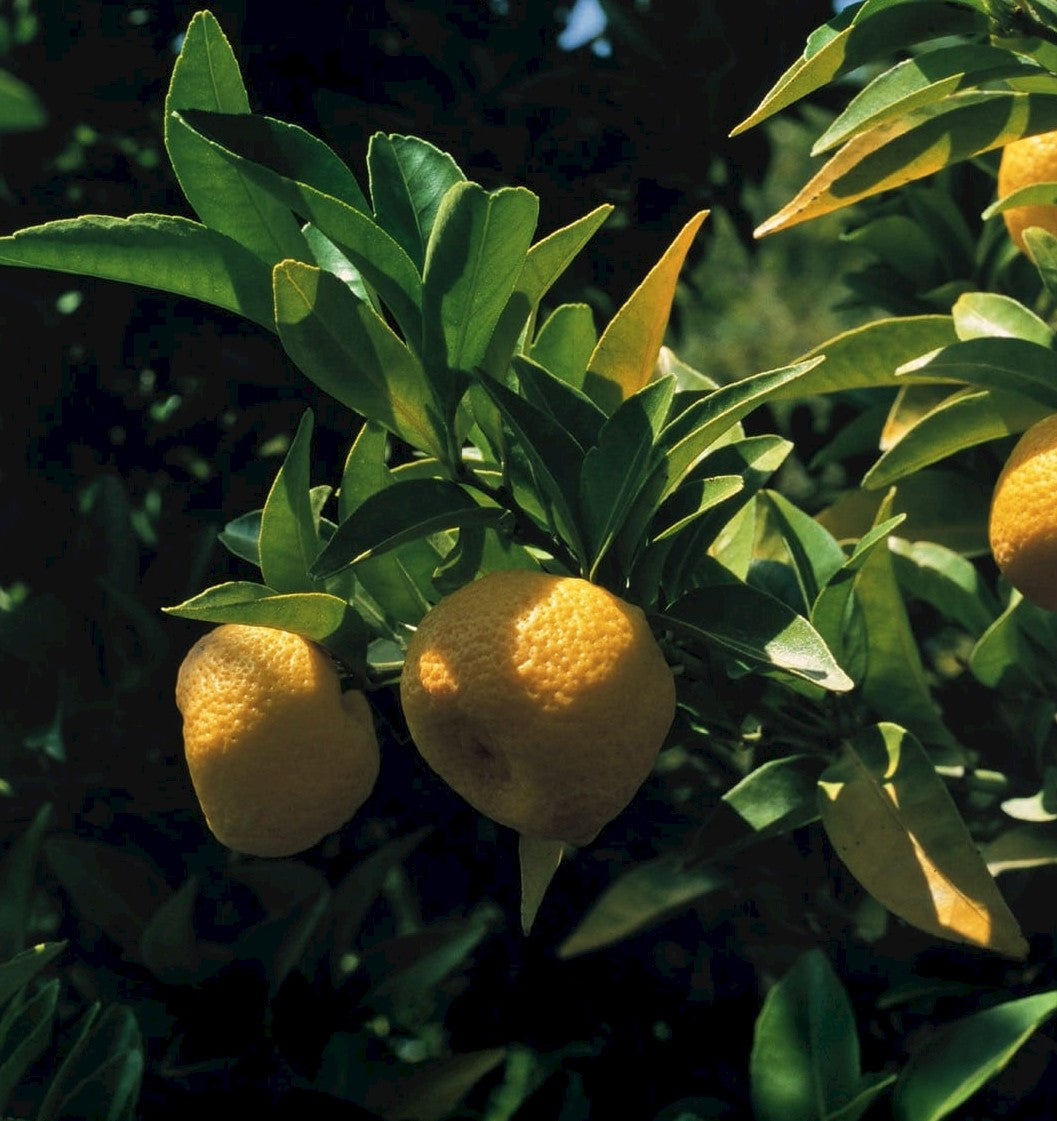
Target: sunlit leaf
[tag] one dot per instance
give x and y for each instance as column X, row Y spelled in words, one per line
column 289, row 541
column 893, row 823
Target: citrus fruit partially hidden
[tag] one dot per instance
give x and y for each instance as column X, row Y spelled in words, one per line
column 1023, row 522
column 279, row 757
column 1024, row 163
column 542, row 700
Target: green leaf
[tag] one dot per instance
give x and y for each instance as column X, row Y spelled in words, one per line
column 892, row 821
column 1042, row 248
column 409, row 178
column 538, row 859
column 563, row 403
column 20, row 108
column 545, row 262
column 1004, row 651
column 349, row 351
column 169, row 945
column 316, row 615
column 154, row 251
column 101, row 1073
column 376, row 256
column 407, row 510
column 1022, row 847
column 921, row 142
column 955, row 1063
column 565, row 342
column 752, row 625
column 431, row 1090
column 616, row 468
column 476, row 251
column 18, row 971
column 639, row 898
column 241, row 537
column 365, row 471
column 816, row 555
column 983, row 314
column 111, row 888
column 804, row 1064
column 18, row 878
column 289, row 540
column 25, row 1032
column 624, row 360
column 922, row 80
column 961, row 420
column 206, row 76
column 777, row 796
column 555, row 456
column 895, row 683
column 849, row 40
column 946, row 581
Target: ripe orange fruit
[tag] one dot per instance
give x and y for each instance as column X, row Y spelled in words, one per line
column 1023, row 163
column 542, row 700
column 1023, row 520
column 279, row 757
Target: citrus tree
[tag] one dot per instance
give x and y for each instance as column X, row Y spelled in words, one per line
column 565, row 549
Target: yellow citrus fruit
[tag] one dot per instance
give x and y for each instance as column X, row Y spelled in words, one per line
column 279, row 757
column 1023, row 163
column 1023, row 521
column 543, row 700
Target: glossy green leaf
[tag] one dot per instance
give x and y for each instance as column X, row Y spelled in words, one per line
column 921, row 142
column 206, row 76
column 625, row 358
column 985, row 314
column 547, row 259
column 777, row 796
column 154, row 251
column 816, row 555
column 616, row 468
column 409, row 178
column 853, row 38
column 956, row 1062
column 241, row 537
column 18, row 878
column 377, row 256
column 752, row 625
column 961, row 420
column 642, row 896
column 101, row 1073
column 1042, row 248
column 690, row 502
column 946, row 581
column 403, row 512
column 476, row 252
column 1003, row 650
column 892, row 821
column 365, row 471
column 563, row 403
column 895, row 683
column 289, row 540
column 1021, row 847
column 538, row 860
column 349, row 351
column 804, row 1064
column 565, row 343
column 329, row 257
column 555, row 456
column 18, row 971
column 922, row 80
column 25, row 1032
column 1006, row 364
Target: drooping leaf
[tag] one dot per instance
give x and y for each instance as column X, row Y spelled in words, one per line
column 289, row 540
column 152, row 250
column 891, row 154
column 206, row 76
column 804, row 1064
column 349, row 351
column 539, row 860
column 640, row 897
column 956, row 1062
column 409, row 178
column 752, row 625
column 407, row 510
column 893, row 823
column 624, row 360
column 476, row 252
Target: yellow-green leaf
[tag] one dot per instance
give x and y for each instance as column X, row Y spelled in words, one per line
column 539, row 861
column 626, row 354
column 894, row 824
